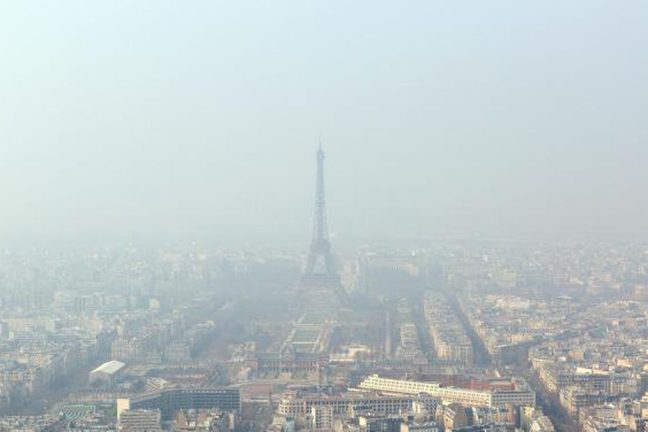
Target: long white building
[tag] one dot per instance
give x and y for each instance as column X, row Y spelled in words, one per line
column 522, row 396
column 299, row 406
column 107, row 372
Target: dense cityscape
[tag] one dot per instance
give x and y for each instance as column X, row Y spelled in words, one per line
column 469, row 336
column 323, row 216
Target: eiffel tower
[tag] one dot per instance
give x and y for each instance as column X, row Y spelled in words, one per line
column 320, row 275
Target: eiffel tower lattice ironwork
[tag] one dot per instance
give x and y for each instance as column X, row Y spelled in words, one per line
column 320, row 267
column 320, row 259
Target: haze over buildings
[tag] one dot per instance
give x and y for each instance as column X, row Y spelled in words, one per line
column 160, row 174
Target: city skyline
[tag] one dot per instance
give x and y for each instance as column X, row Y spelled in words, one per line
column 290, row 216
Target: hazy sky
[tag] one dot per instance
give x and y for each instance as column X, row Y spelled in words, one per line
column 526, row 118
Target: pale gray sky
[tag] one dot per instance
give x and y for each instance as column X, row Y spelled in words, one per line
column 438, row 117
